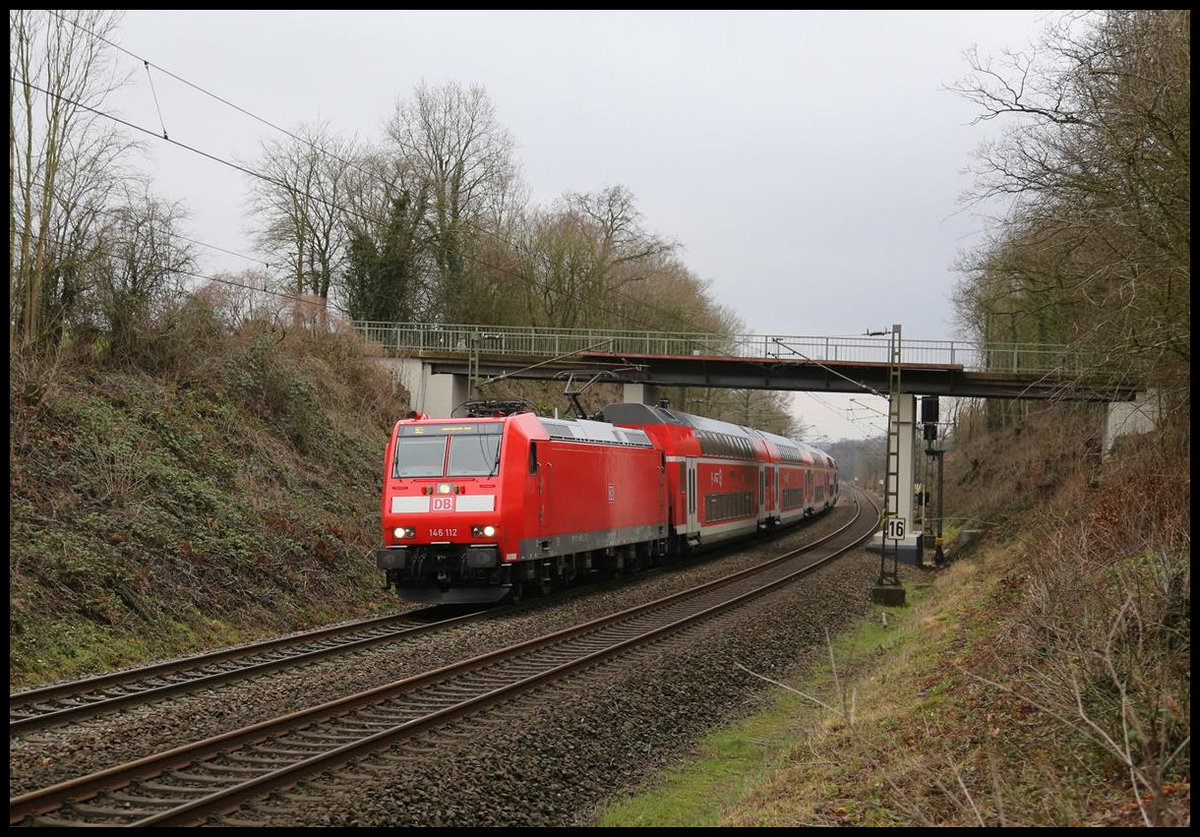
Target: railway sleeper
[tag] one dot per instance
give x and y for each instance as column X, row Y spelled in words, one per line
column 188, row 778
column 325, row 737
column 159, row 786
column 302, row 751
column 252, row 762
column 181, row 795
column 230, row 821
column 51, row 821
column 94, row 810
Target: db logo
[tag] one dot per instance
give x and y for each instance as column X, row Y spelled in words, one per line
column 442, row 504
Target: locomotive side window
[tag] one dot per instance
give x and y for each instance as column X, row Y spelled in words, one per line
column 533, row 457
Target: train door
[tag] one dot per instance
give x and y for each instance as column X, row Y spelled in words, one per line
column 777, row 500
column 762, row 493
column 542, row 469
column 693, row 522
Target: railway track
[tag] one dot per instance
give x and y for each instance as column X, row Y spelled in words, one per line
column 190, row 784
column 37, row 709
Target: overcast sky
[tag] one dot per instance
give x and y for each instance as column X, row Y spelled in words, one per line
column 810, row 164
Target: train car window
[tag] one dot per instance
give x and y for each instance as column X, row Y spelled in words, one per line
column 533, row 457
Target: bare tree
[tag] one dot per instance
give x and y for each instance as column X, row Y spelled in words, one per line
column 141, row 264
column 673, row 298
column 62, row 160
column 623, row 246
column 1097, row 169
column 585, row 255
column 453, row 140
column 303, row 206
column 239, row 298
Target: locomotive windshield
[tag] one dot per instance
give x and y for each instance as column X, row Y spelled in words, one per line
column 448, row 450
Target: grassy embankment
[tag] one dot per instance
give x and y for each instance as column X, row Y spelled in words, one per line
column 220, row 489
column 1043, row 678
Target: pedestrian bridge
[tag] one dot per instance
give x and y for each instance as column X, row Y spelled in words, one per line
column 439, row 362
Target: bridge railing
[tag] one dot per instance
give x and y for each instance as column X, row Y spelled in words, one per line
column 408, row 338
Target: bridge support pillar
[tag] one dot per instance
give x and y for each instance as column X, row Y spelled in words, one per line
column 1126, row 417
column 641, row 394
column 433, row 395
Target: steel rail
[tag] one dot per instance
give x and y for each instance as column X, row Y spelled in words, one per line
column 81, row 690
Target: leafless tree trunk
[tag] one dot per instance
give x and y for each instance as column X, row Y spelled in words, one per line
column 62, row 159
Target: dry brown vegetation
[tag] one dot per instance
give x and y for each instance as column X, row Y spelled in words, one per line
column 1043, row 679
column 1095, row 640
column 216, row 485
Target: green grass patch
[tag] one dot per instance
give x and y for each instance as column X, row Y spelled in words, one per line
column 732, row 762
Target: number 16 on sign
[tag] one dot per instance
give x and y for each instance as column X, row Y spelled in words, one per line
column 893, row 528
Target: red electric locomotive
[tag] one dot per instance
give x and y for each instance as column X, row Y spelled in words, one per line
column 477, row 509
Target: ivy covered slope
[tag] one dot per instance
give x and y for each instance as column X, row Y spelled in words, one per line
column 223, row 488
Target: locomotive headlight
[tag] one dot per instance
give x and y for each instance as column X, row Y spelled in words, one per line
column 483, row 531
column 404, row 532
column 443, row 488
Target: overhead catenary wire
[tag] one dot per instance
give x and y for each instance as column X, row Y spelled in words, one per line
column 839, row 414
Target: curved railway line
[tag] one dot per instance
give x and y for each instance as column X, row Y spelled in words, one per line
column 191, row 783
